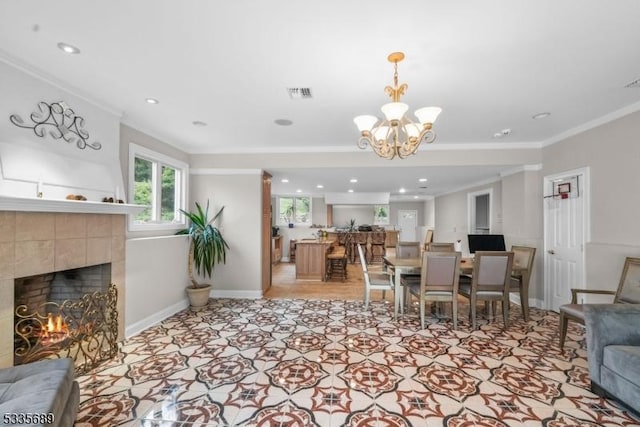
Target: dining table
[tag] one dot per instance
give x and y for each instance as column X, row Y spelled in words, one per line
column 414, row 266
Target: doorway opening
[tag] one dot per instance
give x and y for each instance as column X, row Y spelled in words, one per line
column 479, row 203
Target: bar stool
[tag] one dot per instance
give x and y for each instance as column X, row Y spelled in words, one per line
column 378, row 249
column 337, row 261
column 292, row 250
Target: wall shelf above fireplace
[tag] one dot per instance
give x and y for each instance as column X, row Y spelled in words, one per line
column 32, row 204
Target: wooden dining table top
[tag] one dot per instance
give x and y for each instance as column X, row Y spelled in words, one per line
column 466, row 264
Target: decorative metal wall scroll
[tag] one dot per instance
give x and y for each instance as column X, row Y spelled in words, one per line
column 61, row 122
column 86, row 330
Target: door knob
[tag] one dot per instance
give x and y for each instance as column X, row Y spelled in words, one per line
column 551, row 252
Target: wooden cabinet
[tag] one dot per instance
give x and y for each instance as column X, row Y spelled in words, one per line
column 276, row 249
column 392, row 238
column 311, row 256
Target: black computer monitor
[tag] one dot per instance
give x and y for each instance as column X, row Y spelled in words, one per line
column 486, row 242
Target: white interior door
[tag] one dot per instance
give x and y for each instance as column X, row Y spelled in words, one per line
column 407, row 222
column 566, row 228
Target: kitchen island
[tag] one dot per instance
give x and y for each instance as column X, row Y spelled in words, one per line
column 311, row 258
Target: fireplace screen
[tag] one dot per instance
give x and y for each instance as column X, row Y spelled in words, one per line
column 84, row 329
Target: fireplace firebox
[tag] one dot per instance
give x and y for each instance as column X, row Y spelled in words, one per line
column 72, row 314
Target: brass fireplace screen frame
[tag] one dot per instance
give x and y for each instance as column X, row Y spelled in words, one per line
column 88, row 336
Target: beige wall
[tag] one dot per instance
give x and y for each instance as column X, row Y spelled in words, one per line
column 612, row 153
column 156, row 279
column 241, row 227
column 522, row 223
column 451, row 214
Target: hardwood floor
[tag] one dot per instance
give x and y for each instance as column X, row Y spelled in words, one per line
column 285, row 286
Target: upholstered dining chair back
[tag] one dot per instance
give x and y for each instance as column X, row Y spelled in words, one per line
column 408, row 250
column 629, row 288
column 439, row 278
column 523, row 257
column 441, row 247
column 490, row 282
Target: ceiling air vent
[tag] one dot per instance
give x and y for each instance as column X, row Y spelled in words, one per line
column 634, row 84
column 299, row 92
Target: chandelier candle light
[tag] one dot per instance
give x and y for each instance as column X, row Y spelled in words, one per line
column 396, row 134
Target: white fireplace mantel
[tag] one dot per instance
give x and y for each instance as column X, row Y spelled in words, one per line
column 32, row 204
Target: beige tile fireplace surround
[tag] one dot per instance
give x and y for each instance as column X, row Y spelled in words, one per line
column 41, row 242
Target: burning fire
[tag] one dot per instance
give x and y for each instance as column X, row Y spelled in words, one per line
column 54, row 331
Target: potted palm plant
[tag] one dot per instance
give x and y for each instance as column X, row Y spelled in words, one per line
column 207, row 248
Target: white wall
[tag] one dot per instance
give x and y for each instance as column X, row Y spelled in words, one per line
column 62, row 167
column 342, row 214
column 240, row 224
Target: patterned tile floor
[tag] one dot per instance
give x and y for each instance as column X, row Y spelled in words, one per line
column 327, row 363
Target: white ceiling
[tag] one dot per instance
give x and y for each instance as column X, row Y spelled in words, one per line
column 490, row 65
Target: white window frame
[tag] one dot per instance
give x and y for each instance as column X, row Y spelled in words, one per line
column 182, row 177
column 296, row 196
column 387, row 220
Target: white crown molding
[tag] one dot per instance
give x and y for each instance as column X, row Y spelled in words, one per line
column 224, row 171
column 49, row 79
column 523, row 168
column 465, row 146
column 473, row 185
column 614, row 115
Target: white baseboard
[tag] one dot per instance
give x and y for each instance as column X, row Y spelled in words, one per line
column 223, row 293
column 515, row 298
column 154, row 319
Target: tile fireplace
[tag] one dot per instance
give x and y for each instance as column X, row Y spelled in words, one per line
column 38, row 243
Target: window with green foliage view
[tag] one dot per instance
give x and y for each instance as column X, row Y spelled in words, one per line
column 158, row 185
column 294, row 210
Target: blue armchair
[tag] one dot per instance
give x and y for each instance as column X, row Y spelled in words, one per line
column 613, row 346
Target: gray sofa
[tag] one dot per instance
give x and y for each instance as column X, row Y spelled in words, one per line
column 46, row 390
column 613, row 345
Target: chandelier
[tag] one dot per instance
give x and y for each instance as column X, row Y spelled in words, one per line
column 396, row 134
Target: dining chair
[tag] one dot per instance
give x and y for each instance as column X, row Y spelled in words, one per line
column 523, row 257
column 408, row 250
column 490, row 281
column 439, row 279
column 428, row 238
column 440, row 247
column 380, row 281
column 628, row 292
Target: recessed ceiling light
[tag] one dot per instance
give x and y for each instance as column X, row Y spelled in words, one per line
column 283, row 122
column 285, row 180
column 298, row 191
column 402, row 190
column 423, row 180
column 415, row 197
column 198, row 123
column 354, row 180
column 152, row 101
column 67, row 48
column 350, row 190
column 541, row 115
column 319, row 186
